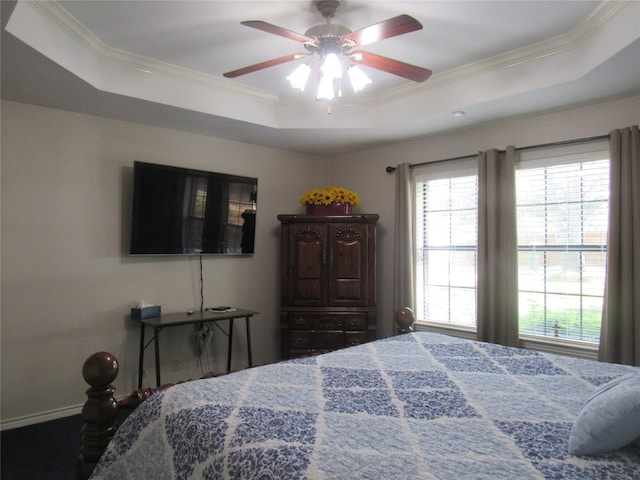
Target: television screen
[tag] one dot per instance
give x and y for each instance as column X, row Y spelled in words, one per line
column 180, row 211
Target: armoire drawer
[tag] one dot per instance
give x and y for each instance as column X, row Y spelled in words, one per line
column 313, row 340
column 327, row 321
column 355, row 338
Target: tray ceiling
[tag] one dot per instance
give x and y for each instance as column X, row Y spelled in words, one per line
column 161, row 63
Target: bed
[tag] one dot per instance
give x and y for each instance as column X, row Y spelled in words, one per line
column 413, row 406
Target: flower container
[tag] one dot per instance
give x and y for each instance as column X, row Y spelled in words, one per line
column 335, row 208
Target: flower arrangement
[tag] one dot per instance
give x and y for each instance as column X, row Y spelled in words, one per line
column 329, row 195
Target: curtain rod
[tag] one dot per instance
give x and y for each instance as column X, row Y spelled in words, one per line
column 529, row 147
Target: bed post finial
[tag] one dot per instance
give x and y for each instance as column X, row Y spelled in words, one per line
column 99, row 411
column 404, row 319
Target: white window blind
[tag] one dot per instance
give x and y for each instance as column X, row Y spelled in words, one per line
column 562, row 215
column 446, row 237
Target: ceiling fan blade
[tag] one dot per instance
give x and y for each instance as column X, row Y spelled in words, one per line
column 261, row 65
column 389, row 28
column 389, row 65
column 283, row 32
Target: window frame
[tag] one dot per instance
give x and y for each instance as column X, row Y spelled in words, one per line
column 462, row 167
column 531, row 156
column 558, row 156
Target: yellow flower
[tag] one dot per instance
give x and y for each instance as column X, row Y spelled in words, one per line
column 329, row 195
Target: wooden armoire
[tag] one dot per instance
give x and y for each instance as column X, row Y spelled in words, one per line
column 328, row 289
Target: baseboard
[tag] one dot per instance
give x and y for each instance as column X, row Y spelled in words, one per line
column 40, row 417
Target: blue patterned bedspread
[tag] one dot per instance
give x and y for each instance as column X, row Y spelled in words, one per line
column 417, row 406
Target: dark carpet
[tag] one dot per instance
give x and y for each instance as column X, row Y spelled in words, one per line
column 45, row 451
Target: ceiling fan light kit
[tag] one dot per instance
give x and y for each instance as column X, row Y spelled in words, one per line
column 298, row 78
column 326, row 90
column 329, row 52
column 358, row 79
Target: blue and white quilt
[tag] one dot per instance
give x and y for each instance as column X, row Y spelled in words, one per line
column 416, row 406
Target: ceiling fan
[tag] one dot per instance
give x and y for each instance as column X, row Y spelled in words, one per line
column 324, row 40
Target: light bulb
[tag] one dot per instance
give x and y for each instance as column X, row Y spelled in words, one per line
column 325, row 89
column 358, row 79
column 299, row 77
column 331, row 67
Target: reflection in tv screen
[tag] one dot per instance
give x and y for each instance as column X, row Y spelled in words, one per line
column 179, row 211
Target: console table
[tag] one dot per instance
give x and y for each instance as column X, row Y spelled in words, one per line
column 177, row 319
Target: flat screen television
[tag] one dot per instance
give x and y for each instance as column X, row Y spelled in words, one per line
column 181, row 211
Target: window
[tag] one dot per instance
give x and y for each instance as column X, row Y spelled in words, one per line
column 195, row 191
column 446, row 238
column 562, row 215
column 241, row 199
column 240, row 211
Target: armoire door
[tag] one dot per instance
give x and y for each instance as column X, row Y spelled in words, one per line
column 348, row 265
column 307, row 265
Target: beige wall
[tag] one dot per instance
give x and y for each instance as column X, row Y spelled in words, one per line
column 365, row 171
column 67, row 284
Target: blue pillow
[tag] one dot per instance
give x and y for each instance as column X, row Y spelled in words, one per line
column 609, row 419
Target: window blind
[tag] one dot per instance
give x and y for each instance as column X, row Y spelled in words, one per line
column 562, row 211
column 446, row 236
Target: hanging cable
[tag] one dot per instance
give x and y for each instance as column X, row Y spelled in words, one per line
column 201, row 287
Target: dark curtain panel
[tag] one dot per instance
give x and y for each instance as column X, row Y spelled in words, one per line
column 620, row 331
column 497, row 290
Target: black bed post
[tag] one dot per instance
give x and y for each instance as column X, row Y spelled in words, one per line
column 404, row 318
column 99, row 412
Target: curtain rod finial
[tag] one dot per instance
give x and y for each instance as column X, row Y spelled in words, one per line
column 390, row 169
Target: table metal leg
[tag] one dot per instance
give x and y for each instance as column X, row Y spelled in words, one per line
column 141, row 359
column 249, row 342
column 156, row 334
column 229, row 347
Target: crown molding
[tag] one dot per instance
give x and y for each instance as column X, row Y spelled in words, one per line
column 552, row 46
column 105, row 54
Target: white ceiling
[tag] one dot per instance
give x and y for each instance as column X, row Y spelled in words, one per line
column 161, row 63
